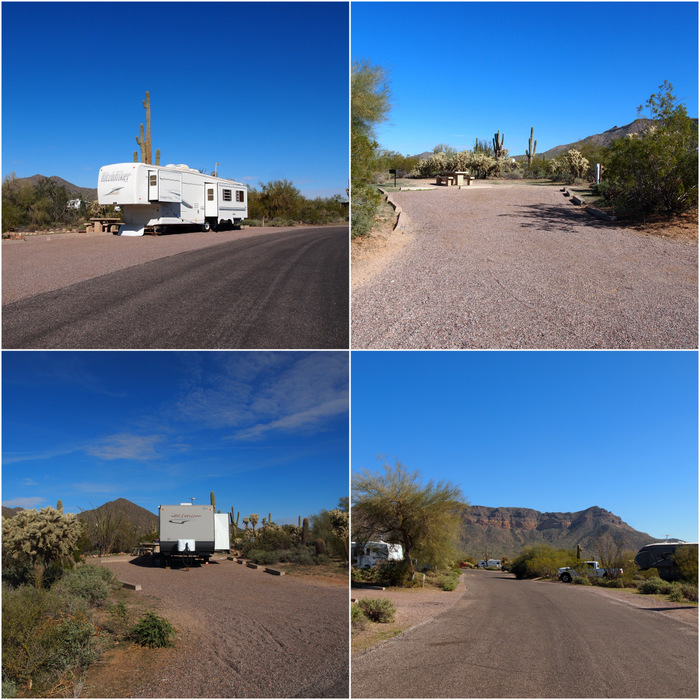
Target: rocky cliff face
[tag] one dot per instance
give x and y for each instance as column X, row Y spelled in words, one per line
column 505, row 531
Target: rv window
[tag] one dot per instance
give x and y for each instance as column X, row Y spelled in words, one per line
column 240, row 195
column 227, row 195
column 210, row 195
column 154, row 180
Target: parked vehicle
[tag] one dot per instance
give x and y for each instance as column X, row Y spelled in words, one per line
column 592, row 569
column 489, row 563
column 659, row 556
column 170, row 195
column 367, row 555
column 187, row 533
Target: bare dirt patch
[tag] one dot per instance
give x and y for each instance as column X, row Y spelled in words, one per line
column 414, row 606
column 241, row 632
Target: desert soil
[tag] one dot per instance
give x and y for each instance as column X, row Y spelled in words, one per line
column 516, row 265
column 240, row 633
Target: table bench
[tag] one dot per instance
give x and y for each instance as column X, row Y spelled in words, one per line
column 455, row 178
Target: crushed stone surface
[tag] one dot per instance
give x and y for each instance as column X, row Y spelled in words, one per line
column 521, row 267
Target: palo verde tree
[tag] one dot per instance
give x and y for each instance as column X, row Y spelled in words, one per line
column 424, row 518
column 38, row 538
column 369, row 107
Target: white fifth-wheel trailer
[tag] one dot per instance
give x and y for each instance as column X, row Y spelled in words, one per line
column 172, row 195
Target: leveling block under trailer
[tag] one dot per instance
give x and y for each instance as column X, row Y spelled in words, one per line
column 158, row 196
column 191, row 533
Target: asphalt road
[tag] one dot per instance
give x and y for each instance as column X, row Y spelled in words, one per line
column 507, row 638
column 279, row 290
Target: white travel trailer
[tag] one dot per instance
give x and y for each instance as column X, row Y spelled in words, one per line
column 367, row 555
column 170, row 195
column 187, row 532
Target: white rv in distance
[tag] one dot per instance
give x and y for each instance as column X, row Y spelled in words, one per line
column 367, row 555
column 170, row 195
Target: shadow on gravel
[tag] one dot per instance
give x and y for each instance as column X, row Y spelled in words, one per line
column 545, row 217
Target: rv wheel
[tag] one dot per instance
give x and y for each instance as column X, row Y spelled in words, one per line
column 206, row 226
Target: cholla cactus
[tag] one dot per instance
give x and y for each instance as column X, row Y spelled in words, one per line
column 340, row 524
column 254, row 517
column 40, row 537
column 576, row 163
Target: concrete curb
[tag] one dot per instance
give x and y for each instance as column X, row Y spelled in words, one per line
column 131, row 586
column 591, row 210
column 401, row 218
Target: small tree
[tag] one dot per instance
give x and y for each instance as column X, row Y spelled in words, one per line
column 40, row 537
column 424, row 518
column 686, row 559
column 611, row 553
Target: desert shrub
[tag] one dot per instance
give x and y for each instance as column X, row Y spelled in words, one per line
column 378, row 609
column 689, row 591
column 656, row 171
column 90, row 583
column 582, row 581
column 321, row 559
column 358, row 619
column 262, row 557
column 272, row 537
column 686, row 560
column 40, row 640
column 297, row 555
column 448, row 582
column 541, row 560
column 651, row 586
column 675, row 595
column 152, row 631
column 16, row 575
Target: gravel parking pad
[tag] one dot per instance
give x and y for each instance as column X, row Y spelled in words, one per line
column 245, row 633
column 518, row 266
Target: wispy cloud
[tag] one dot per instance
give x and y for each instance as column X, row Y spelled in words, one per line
column 31, row 502
column 127, row 446
column 15, row 457
column 257, row 393
column 29, row 482
column 92, row 487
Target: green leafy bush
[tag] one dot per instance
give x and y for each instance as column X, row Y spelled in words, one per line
column 651, row 586
column 378, row 609
column 152, row 631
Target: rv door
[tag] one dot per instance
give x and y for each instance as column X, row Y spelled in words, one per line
column 210, row 204
column 152, row 185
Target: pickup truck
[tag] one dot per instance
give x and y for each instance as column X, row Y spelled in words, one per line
column 592, row 568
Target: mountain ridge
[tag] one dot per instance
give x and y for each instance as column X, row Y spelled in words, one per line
column 505, row 531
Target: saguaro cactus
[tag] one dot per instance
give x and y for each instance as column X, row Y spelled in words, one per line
column 212, row 498
column 304, row 532
column 145, row 141
column 530, row 153
column 498, row 144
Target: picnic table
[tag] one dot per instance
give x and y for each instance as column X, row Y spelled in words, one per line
column 105, row 224
column 455, row 177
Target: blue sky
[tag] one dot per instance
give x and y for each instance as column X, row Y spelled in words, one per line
column 267, row 432
column 462, row 70
column 261, row 88
column 553, row 431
